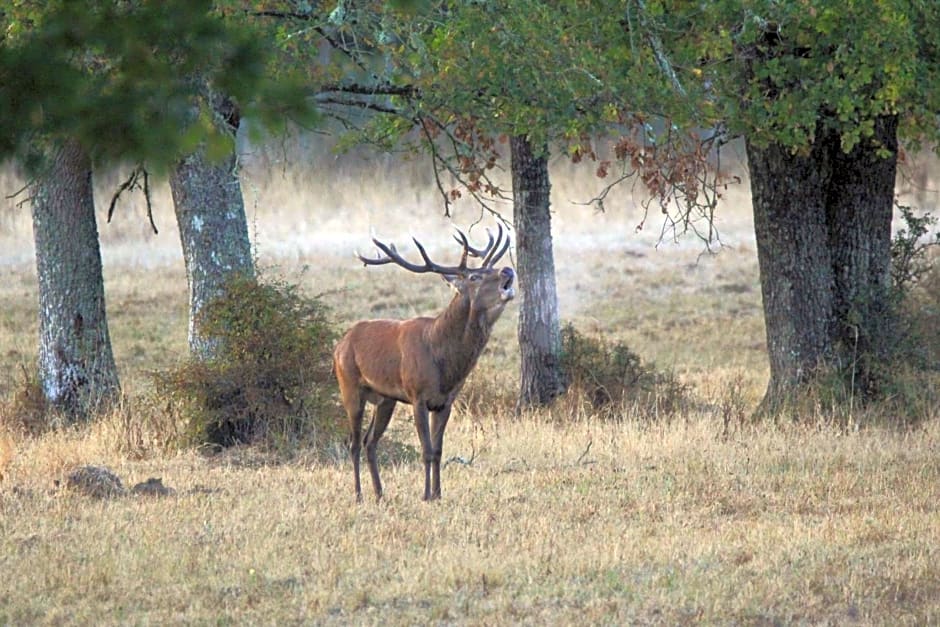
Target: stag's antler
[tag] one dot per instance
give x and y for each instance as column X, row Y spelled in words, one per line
column 490, row 254
column 392, row 256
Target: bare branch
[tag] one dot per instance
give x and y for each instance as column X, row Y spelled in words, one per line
column 457, row 459
column 138, row 179
column 359, row 104
column 376, row 89
column 20, row 191
column 350, row 52
column 584, row 454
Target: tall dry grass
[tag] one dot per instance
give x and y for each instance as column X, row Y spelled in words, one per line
column 546, row 518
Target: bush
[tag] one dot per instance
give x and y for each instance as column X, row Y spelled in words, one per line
column 270, row 377
column 895, row 351
column 609, row 376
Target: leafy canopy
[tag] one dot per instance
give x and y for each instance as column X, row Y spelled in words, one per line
column 775, row 70
column 122, row 77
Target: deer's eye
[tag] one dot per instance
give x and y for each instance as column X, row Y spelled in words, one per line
column 474, row 278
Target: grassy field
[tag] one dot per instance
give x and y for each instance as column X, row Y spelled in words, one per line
column 549, row 518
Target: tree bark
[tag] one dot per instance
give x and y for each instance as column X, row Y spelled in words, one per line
column 542, row 378
column 823, row 227
column 210, row 212
column 76, row 365
column 860, row 205
column 788, row 196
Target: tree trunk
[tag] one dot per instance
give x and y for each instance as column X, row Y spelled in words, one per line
column 860, row 208
column 213, row 229
column 788, row 196
column 823, row 228
column 539, row 327
column 76, row 366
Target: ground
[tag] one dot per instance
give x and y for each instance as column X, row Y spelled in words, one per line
column 551, row 518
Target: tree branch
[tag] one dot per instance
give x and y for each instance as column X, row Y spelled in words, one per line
column 378, row 89
column 359, row 104
column 657, row 46
column 138, row 179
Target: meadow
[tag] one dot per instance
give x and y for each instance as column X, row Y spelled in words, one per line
column 558, row 516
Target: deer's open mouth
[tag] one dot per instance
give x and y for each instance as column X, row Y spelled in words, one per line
column 506, row 289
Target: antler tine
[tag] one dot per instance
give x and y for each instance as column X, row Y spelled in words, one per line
column 392, row 256
column 368, row 261
column 433, row 267
column 476, row 252
column 493, row 256
column 462, row 240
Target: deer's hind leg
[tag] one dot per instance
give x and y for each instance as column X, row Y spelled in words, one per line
column 355, row 405
column 380, row 419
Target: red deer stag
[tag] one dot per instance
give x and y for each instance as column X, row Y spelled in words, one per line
column 421, row 361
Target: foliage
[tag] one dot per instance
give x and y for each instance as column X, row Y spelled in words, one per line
column 270, row 379
column 774, row 71
column 609, row 375
column 121, row 77
column 456, row 79
column 909, row 248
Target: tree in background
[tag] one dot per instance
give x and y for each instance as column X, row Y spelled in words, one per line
column 462, row 81
column 821, row 92
column 86, row 83
column 210, row 213
column 77, row 372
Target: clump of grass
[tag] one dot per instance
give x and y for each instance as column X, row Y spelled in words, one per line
column 608, row 376
column 26, row 410
column 142, row 426
column 269, row 379
column 6, row 453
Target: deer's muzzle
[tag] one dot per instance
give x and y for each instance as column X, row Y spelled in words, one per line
column 506, row 289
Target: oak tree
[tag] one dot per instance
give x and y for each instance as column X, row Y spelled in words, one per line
column 83, row 84
column 823, row 92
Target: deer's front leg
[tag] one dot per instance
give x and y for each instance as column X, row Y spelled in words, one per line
column 438, row 424
column 424, row 434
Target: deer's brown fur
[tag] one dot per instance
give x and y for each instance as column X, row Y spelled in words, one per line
column 421, row 361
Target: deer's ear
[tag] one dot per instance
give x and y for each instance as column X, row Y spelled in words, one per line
column 453, row 280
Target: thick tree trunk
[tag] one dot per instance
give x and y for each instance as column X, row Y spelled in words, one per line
column 542, row 378
column 210, row 212
column 823, row 227
column 76, row 366
column 788, row 196
column 860, row 205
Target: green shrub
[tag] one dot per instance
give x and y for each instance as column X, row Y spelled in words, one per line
column 910, row 247
column 894, row 351
column 270, row 377
column 610, row 377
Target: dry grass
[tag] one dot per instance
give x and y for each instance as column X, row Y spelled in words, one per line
column 546, row 519
column 617, row 523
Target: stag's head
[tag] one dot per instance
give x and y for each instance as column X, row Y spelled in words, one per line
column 486, row 289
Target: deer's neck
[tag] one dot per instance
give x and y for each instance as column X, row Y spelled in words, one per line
column 458, row 336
